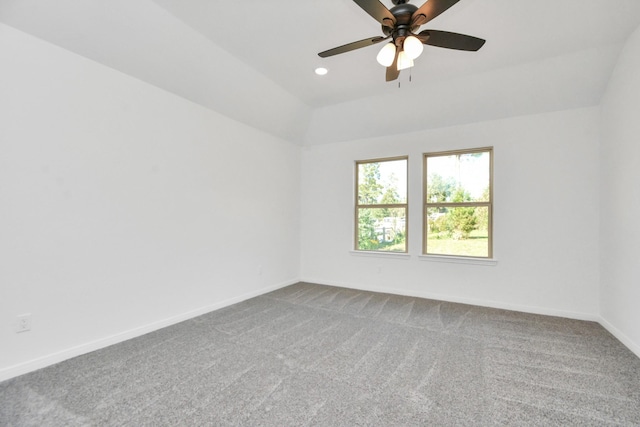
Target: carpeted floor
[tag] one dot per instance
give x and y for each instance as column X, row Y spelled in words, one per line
column 319, row 355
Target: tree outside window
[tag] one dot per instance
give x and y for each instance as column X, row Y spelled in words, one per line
column 381, row 205
column 458, row 203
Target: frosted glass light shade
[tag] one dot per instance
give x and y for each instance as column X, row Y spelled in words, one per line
column 413, row 47
column 404, row 61
column 386, row 55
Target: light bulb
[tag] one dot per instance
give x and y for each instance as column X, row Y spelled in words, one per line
column 386, row 55
column 404, row 61
column 413, row 46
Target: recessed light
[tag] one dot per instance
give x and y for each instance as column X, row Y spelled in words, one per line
column 321, row 71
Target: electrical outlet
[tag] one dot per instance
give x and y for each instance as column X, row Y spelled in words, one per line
column 24, row 323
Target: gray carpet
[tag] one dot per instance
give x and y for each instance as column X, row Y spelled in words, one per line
column 319, row 355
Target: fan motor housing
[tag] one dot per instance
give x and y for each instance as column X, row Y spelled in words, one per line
column 403, row 13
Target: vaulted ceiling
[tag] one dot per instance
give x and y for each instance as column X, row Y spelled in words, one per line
column 254, row 60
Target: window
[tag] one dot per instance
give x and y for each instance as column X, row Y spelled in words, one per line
column 458, row 199
column 381, row 205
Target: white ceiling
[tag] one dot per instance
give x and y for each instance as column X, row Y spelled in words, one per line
column 281, row 38
column 253, row 60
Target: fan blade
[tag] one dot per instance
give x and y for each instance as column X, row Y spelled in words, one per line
column 450, row 40
column 351, row 46
column 378, row 11
column 392, row 70
column 430, row 10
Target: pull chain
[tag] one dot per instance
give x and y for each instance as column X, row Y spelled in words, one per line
column 410, row 77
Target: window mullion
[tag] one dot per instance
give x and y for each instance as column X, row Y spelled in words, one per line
column 394, row 206
column 457, row 204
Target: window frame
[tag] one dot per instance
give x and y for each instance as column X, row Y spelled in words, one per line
column 427, row 205
column 359, row 206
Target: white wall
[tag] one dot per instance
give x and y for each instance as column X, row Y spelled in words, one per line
column 124, row 208
column 145, row 41
column 620, row 198
column 545, row 216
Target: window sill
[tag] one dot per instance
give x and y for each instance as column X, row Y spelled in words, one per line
column 460, row 260
column 380, row 254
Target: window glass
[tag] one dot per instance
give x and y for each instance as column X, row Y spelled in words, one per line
column 458, row 177
column 381, row 210
column 458, row 205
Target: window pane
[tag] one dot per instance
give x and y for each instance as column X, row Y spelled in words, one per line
column 459, row 231
column 382, row 229
column 458, row 178
column 382, row 182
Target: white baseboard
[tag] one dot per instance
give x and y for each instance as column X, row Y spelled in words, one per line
column 57, row 357
column 635, row 348
column 51, row 359
column 624, row 339
column 471, row 301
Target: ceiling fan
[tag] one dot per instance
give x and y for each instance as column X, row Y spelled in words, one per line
column 400, row 24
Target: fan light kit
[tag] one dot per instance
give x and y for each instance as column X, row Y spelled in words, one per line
column 404, row 61
column 387, row 55
column 400, row 24
column 412, row 47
